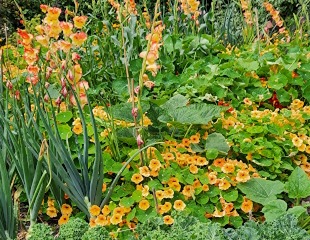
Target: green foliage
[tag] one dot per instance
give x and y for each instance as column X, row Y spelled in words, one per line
column 188, row 227
column 74, row 229
column 98, row 233
column 286, row 227
column 40, row 231
column 184, row 227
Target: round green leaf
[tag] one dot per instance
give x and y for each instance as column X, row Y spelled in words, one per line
column 64, row 131
column 64, row 117
column 212, row 153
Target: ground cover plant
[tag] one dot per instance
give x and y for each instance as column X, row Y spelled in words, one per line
column 159, row 120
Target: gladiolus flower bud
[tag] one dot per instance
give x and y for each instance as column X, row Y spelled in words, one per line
column 46, row 98
column 137, row 90
column 46, row 85
column 48, row 72
column 134, row 112
column 63, row 82
column 58, row 101
column 64, row 92
column 70, row 75
column 17, row 95
column 139, row 140
column 9, row 85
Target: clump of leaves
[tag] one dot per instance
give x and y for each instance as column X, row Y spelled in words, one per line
column 184, row 227
column 40, row 231
column 285, row 227
column 98, row 232
column 73, row 229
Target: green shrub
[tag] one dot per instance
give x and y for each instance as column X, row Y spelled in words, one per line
column 73, row 229
column 98, row 233
column 184, row 227
column 285, row 228
column 189, row 227
column 40, row 231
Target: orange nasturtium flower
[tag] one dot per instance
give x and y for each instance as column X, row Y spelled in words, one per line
column 137, row 178
column 116, row 219
column 105, row 210
column 224, row 184
column 101, row 220
column 179, row 205
column 51, row 212
column 144, row 204
column 243, row 176
column 154, row 164
column 94, row 210
column 63, row 219
column 247, row 205
column 168, row 220
column 66, row 209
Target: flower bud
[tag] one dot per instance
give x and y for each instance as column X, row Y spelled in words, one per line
column 139, row 140
column 134, row 112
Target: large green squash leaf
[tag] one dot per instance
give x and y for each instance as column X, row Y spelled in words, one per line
column 217, row 141
column 261, row 190
column 274, row 209
column 298, row 185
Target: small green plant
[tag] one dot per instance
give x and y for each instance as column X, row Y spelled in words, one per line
column 74, row 229
column 40, row 231
column 98, row 233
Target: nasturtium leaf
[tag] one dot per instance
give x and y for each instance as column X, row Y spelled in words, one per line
column 143, row 216
column 248, row 65
column 212, row 153
column 263, row 162
column 277, row 81
column 203, row 179
column 230, row 196
column 116, row 167
column 137, row 196
column 261, row 190
column 154, row 184
column 236, row 221
column 131, row 215
column 274, row 129
column 202, row 199
column 127, row 201
column 283, row 96
column 213, row 191
column 64, row 131
column 223, row 220
column 255, row 129
column 217, row 141
column 64, row 117
column 189, row 178
column 246, row 147
column 298, row 185
column 274, row 209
